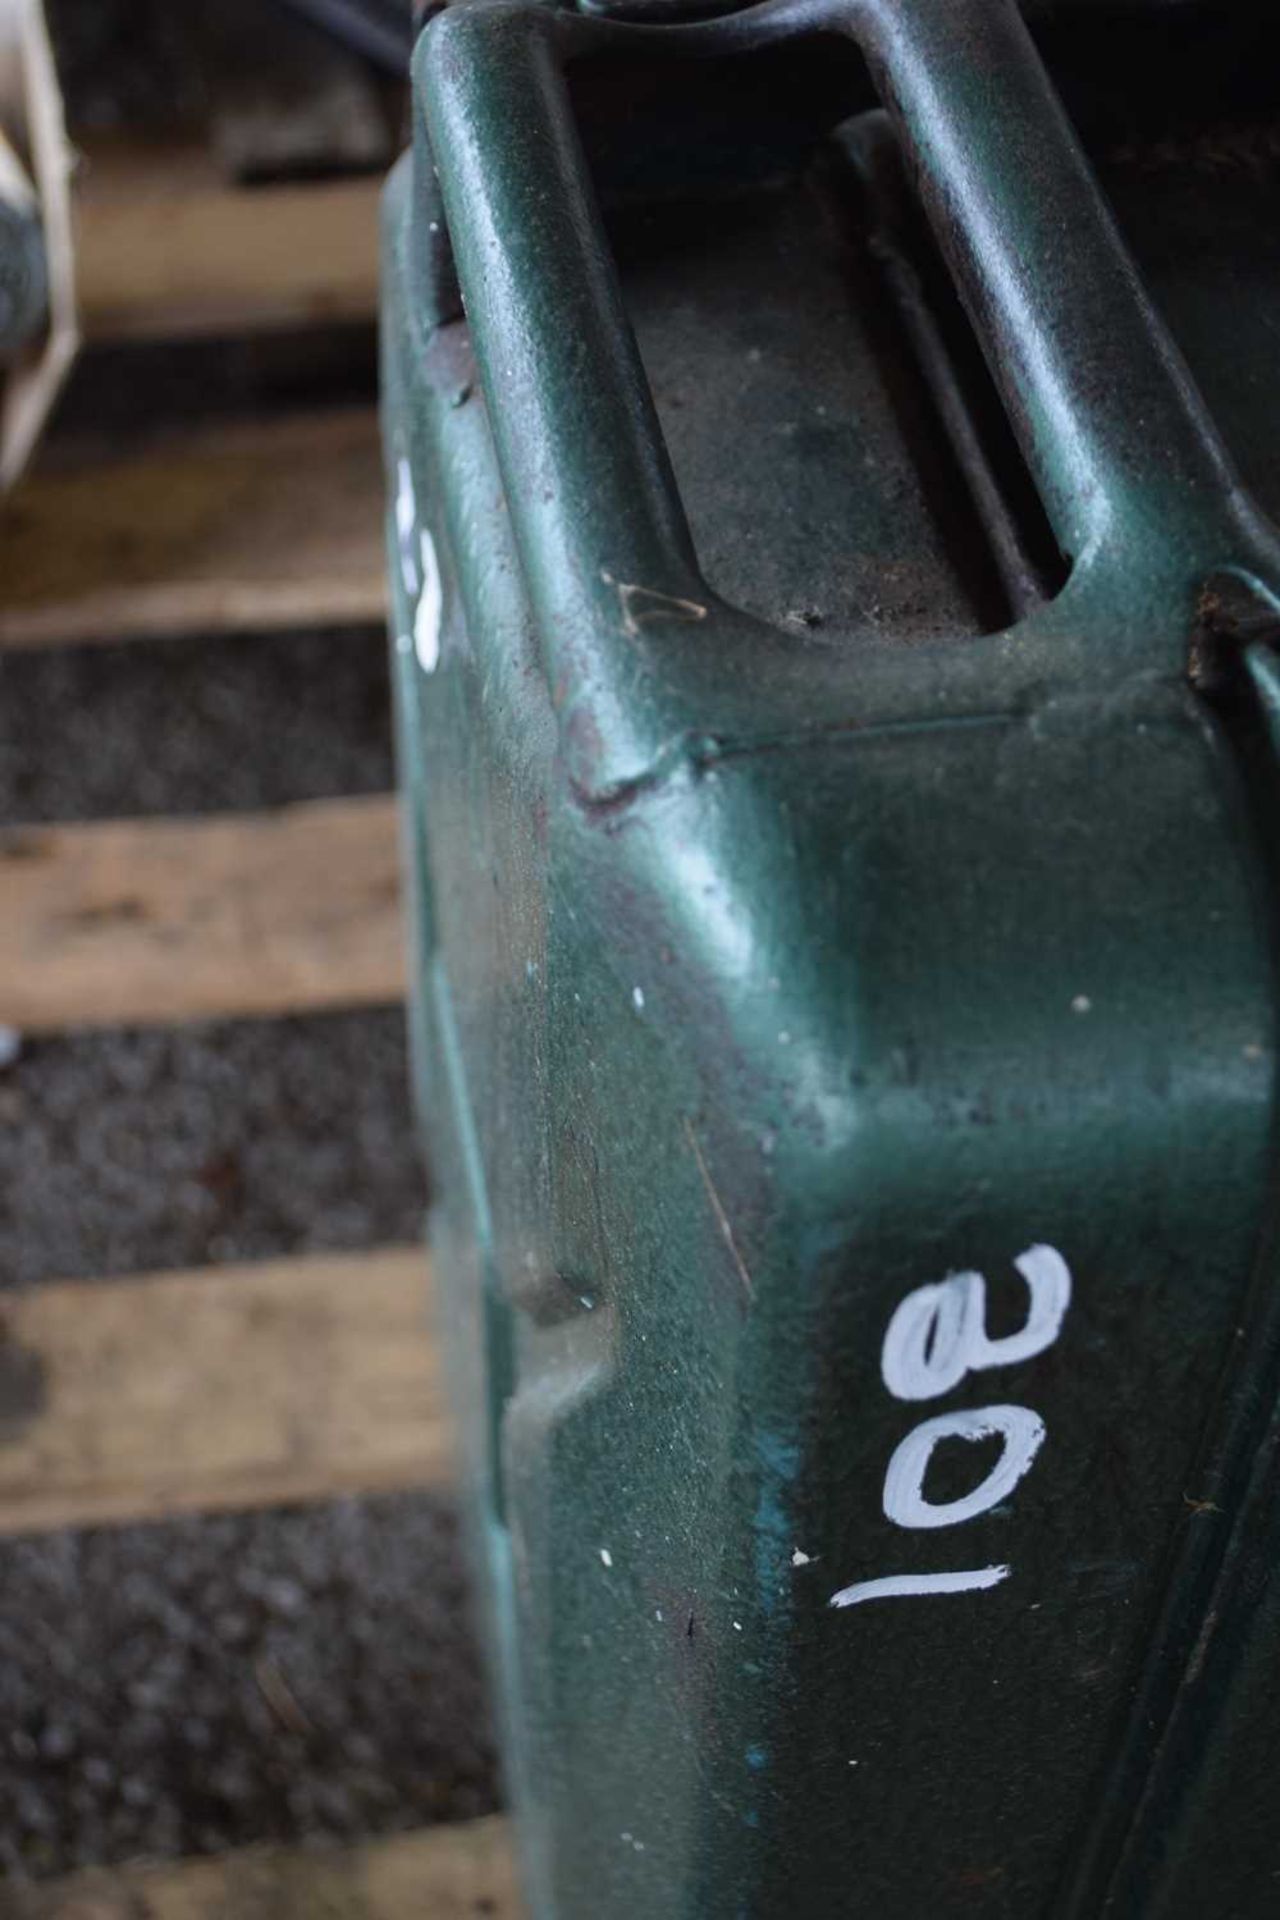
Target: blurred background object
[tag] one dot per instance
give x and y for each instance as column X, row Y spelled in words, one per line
column 37, row 301
column 379, row 29
column 236, row 1664
column 24, row 277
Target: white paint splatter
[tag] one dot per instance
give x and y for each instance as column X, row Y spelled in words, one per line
column 426, row 621
column 637, row 999
column 801, row 1559
column 406, row 516
column 606, row 1557
column 1082, row 1004
column 897, row 1585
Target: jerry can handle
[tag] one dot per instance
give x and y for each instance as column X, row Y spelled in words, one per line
column 1132, row 472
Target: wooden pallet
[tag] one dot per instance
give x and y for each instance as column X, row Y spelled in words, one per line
column 165, row 249
column 263, row 524
column 266, row 524
column 285, row 1380
column 449, row 1873
column 139, row 922
column 228, row 1387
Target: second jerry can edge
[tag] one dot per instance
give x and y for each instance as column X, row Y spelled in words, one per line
column 760, row 987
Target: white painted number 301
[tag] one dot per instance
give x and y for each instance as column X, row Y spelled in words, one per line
column 936, row 1336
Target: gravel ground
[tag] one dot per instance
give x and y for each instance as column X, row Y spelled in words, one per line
column 125, row 1152
column 197, row 1684
column 202, row 1683
column 228, row 724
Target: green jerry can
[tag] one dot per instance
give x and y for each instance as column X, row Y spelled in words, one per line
column 832, row 448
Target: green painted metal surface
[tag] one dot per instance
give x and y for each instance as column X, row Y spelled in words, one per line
column 838, row 716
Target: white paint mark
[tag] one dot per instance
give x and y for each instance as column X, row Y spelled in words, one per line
column 1082, row 1004
column 426, row 621
column 801, row 1559
column 902, row 1585
column 606, row 1557
column 904, row 1501
column 938, row 1333
column 926, row 1343
column 637, row 999
column 737, row 1626
column 638, row 604
column 406, row 517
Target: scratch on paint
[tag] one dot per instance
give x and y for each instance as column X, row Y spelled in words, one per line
column 634, row 614
column 1195, row 1665
column 722, row 1218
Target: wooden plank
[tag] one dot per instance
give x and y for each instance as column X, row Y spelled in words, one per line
column 145, row 921
column 245, row 527
column 463, row 1872
column 227, row 1387
column 165, row 248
